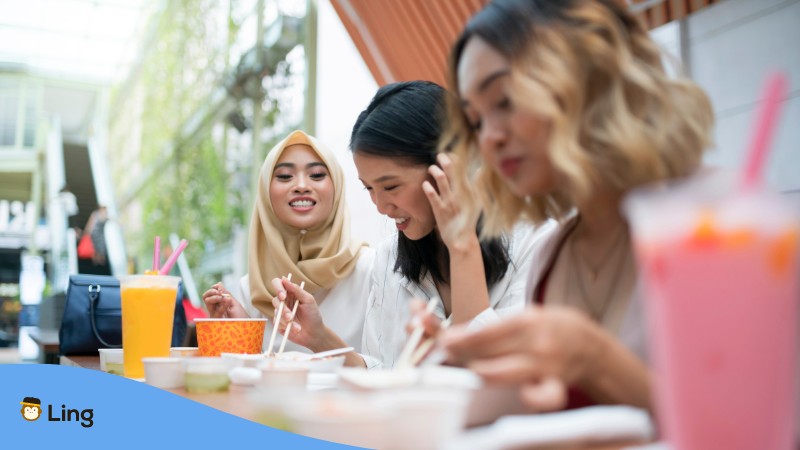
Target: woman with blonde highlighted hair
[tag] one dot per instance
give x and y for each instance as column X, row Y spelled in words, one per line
column 562, row 107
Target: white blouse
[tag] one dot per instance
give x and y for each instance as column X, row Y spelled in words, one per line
column 391, row 293
column 342, row 307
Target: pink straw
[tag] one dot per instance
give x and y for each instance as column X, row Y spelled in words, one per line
column 157, row 254
column 774, row 91
column 173, row 257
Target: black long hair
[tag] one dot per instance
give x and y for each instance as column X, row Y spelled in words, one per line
column 404, row 121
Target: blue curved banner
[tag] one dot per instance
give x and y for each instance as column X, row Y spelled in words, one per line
column 55, row 407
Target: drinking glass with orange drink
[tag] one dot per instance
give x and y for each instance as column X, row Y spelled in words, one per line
column 148, row 309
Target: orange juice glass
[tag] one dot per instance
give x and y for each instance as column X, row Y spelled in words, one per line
column 148, row 308
column 719, row 268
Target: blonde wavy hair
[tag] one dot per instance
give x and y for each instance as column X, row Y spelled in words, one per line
column 591, row 71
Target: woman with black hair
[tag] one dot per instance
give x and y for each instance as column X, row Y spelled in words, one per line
column 435, row 253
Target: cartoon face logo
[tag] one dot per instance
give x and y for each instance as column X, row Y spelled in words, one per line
column 31, row 408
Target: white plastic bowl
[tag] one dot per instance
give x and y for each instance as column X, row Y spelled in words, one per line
column 244, row 359
column 362, row 379
column 207, row 374
column 164, row 373
column 184, row 352
column 283, row 374
column 111, row 361
column 424, row 418
column 324, row 365
column 343, row 417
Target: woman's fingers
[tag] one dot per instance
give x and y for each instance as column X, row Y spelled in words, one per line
column 508, row 336
column 419, row 316
column 549, row 394
column 216, row 299
column 277, row 284
column 442, row 181
column 433, row 198
column 509, row 369
column 217, row 304
column 286, row 314
column 446, row 163
column 294, row 291
column 209, row 293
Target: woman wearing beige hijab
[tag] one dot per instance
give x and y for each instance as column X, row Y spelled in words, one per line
column 300, row 226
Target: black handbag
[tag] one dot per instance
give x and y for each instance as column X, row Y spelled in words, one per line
column 93, row 316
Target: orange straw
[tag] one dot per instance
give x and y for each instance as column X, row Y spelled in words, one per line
column 774, row 92
column 173, row 257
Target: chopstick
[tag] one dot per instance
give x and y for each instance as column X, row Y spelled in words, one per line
column 404, row 360
column 289, row 327
column 274, row 322
column 426, row 345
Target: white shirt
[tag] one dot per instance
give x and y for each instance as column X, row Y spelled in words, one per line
column 391, row 293
column 342, row 307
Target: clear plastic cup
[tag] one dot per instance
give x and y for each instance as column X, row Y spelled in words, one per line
column 720, row 274
column 148, row 308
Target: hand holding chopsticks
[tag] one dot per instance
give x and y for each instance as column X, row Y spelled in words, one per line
column 299, row 313
column 291, row 321
column 404, row 360
column 221, row 304
column 276, row 320
column 426, row 346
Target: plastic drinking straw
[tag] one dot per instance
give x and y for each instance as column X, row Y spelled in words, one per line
column 774, row 91
column 157, row 254
column 173, row 257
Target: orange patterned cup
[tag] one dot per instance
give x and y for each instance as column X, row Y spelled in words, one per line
column 216, row 336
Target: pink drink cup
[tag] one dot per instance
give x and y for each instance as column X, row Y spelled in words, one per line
column 720, row 275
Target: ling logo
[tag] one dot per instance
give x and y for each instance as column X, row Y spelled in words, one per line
column 31, row 408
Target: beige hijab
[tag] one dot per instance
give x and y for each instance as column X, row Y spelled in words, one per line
column 321, row 256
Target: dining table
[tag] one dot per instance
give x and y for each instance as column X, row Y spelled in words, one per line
column 235, row 401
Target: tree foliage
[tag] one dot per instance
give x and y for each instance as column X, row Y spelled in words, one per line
column 199, row 190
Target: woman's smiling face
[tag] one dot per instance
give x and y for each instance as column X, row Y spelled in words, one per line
column 396, row 190
column 301, row 190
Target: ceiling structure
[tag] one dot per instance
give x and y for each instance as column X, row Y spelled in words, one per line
column 56, row 57
column 87, row 40
column 411, row 39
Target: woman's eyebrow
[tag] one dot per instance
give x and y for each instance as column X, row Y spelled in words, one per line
column 316, row 164
column 385, row 178
column 487, row 82
column 380, row 179
column 291, row 165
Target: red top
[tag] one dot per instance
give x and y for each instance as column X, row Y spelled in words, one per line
column 576, row 398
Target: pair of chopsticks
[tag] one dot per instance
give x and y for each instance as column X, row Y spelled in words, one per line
column 427, row 345
column 411, row 354
column 278, row 314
